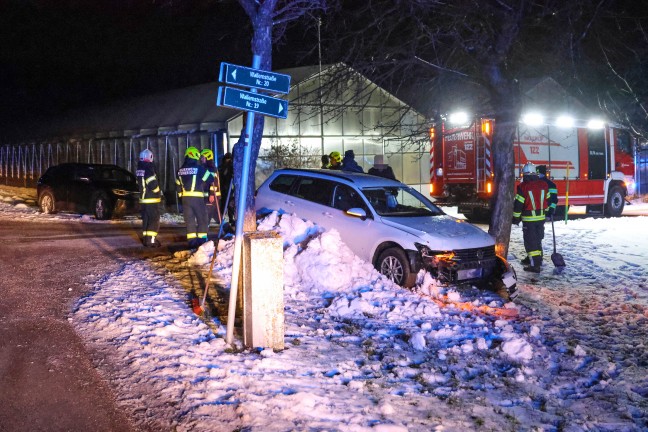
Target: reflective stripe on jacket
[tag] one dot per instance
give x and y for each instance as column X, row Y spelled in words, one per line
column 552, row 197
column 149, row 189
column 191, row 179
column 531, row 200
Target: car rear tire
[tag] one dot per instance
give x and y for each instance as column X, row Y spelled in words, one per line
column 615, row 202
column 393, row 264
column 102, row 207
column 46, row 203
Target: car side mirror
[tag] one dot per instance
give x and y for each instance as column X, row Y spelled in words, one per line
column 357, row 212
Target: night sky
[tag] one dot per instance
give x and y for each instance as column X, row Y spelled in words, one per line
column 59, row 55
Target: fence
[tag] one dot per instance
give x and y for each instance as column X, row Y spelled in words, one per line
column 23, row 164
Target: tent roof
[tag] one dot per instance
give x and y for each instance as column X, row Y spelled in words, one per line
column 185, row 108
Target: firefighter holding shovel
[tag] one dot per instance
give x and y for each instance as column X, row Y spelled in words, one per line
column 530, row 206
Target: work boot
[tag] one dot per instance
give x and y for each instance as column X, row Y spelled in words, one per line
column 154, row 243
column 526, row 261
column 534, row 269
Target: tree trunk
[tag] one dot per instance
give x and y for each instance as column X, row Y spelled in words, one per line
column 506, row 101
column 261, row 18
column 503, row 165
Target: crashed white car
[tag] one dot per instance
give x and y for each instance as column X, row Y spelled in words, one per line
column 390, row 225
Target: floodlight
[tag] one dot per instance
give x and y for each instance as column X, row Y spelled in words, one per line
column 458, row 118
column 565, row 121
column 533, row 119
column 596, row 124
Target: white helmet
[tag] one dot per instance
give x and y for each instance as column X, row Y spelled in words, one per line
column 529, row 168
column 146, row 155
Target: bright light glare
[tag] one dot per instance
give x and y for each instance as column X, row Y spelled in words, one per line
column 458, row 118
column 565, row 121
column 533, row 119
column 596, row 124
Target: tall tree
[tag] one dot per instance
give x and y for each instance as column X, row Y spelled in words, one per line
column 615, row 64
column 269, row 19
column 488, row 43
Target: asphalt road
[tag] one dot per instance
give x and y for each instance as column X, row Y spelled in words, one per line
column 47, row 378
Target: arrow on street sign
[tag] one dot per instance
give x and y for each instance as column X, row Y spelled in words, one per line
column 256, row 78
column 250, row 101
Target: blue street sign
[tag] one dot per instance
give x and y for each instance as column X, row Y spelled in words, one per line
column 250, row 101
column 248, row 77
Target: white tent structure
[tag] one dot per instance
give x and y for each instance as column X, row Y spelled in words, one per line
column 330, row 108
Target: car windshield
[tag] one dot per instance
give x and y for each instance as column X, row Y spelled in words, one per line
column 400, row 202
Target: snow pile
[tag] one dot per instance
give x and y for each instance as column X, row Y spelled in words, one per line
column 361, row 353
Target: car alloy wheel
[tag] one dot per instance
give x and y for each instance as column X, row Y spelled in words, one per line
column 393, row 264
column 102, row 209
column 47, row 203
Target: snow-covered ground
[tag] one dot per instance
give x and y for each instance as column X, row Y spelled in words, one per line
column 364, row 355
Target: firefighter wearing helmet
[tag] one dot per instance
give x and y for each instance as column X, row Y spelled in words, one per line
column 149, row 198
column 335, row 160
column 530, row 206
column 191, row 180
column 212, row 190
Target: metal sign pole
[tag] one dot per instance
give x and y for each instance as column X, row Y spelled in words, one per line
column 240, row 215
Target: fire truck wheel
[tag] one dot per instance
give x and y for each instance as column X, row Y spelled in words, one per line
column 615, row 202
column 394, row 265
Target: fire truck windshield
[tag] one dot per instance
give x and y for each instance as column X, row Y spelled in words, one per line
column 624, row 142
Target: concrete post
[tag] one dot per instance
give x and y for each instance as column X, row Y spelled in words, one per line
column 263, row 297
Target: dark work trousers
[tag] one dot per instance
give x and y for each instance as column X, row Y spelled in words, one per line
column 533, row 233
column 195, row 215
column 212, row 212
column 230, row 209
column 150, row 222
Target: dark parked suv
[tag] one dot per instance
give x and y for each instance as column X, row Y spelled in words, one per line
column 102, row 190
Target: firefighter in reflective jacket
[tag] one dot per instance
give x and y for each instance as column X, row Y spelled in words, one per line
column 212, row 192
column 150, row 197
column 530, row 206
column 191, row 181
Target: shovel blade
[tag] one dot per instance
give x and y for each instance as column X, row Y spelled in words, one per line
column 557, row 260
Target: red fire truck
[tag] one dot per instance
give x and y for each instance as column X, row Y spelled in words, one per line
column 592, row 164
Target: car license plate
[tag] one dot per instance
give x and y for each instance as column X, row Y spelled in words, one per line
column 469, row 274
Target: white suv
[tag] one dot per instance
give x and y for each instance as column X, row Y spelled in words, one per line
column 390, row 225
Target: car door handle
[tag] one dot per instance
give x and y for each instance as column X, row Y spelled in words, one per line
column 290, row 203
column 327, row 214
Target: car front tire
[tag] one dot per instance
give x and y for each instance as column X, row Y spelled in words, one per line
column 102, row 207
column 393, row 264
column 47, row 202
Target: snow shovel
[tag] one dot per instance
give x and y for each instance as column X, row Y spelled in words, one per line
column 556, row 258
column 200, row 309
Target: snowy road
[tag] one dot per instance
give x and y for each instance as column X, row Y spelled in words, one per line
column 364, row 355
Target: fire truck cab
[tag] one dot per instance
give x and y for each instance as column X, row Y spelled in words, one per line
column 591, row 163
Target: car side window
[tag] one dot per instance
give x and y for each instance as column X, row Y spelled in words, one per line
column 60, row 173
column 283, row 183
column 346, row 198
column 84, row 173
column 316, row 190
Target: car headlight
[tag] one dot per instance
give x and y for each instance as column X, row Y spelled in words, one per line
column 120, row 192
column 433, row 257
